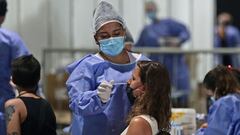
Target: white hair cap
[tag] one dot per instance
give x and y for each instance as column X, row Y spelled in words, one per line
column 103, row 14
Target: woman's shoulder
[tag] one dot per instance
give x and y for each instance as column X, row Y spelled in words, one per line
column 227, row 103
column 140, row 119
column 14, row 105
column 147, row 117
column 139, row 125
column 13, row 102
column 145, row 122
column 234, row 98
column 7, row 32
column 152, row 122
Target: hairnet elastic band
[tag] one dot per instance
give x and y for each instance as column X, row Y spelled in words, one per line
column 129, row 42
column 110, row 22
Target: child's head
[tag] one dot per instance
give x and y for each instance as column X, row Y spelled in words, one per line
column 26, row 72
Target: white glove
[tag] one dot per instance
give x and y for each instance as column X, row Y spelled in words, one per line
column 104, row 90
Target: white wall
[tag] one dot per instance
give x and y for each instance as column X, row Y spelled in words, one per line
column 133, row 13
column 202, row 32
column 68, row 23
column 29, row 19
column 198, row 15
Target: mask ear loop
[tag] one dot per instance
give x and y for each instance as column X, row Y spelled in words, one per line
column 214, row 94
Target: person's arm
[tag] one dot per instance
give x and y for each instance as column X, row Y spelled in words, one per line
column 181, row 31
column 139, row 126
column 184, row 34
column 19, row 48
column 218, row 118
column 236, row 37
column 82, row 91
column 141, row 42
column 12, row 118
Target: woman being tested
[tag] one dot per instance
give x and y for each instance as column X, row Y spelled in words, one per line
column 151, row 111
column 96, row 85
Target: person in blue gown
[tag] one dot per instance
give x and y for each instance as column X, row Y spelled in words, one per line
column 223, row 117
column 11, row 47
column 167, row 33
column 97, row 82
column 226, row 35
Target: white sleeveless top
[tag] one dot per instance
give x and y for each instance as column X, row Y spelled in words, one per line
column 152, row 122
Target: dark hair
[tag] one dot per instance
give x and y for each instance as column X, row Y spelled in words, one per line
column 156, row 101
column 221, row 81
column 26, row 72
column 236, row 73
column 3, row 7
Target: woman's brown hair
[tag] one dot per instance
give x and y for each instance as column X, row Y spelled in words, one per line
column 156, row 101
column 221, row 81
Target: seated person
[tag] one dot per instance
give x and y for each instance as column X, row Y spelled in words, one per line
column 151, row 112
column 223, row 116
column 28, row 114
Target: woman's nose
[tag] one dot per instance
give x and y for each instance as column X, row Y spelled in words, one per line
column 129, row 81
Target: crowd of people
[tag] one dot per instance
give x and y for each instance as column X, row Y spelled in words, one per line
column 115, row 90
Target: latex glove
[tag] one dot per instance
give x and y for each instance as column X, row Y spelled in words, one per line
column 104, row 90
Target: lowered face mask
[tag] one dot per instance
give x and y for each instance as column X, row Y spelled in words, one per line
column 112, row 46
column 129, row 91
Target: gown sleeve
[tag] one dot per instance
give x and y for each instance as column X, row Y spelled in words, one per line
column 82, row 91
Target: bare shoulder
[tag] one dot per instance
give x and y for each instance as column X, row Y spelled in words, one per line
column 15, row 105
column 13, row 102
column 139, row 121
column 13, row 115
column 139, row 126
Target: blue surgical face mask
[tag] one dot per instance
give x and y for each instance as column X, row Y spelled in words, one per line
column 152, row 15
column 130, row 94
column 213, row 98
column 112, row 46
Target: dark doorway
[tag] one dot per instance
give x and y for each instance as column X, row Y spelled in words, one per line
column 232, row 7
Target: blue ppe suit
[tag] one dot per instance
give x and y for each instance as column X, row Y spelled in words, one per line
column 90, row 115
column 3, row 128
column 175, row 63
column 11, row 47
column 223, row 117
column 232, row 39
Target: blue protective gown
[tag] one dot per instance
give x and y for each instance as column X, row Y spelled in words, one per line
column 223, row 117
column 232, row 37
column 90, row 115
column 175, row 63
column 11, row 47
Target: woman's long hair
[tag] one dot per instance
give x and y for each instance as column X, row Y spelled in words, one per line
column 156, row 101
column 221, row 81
